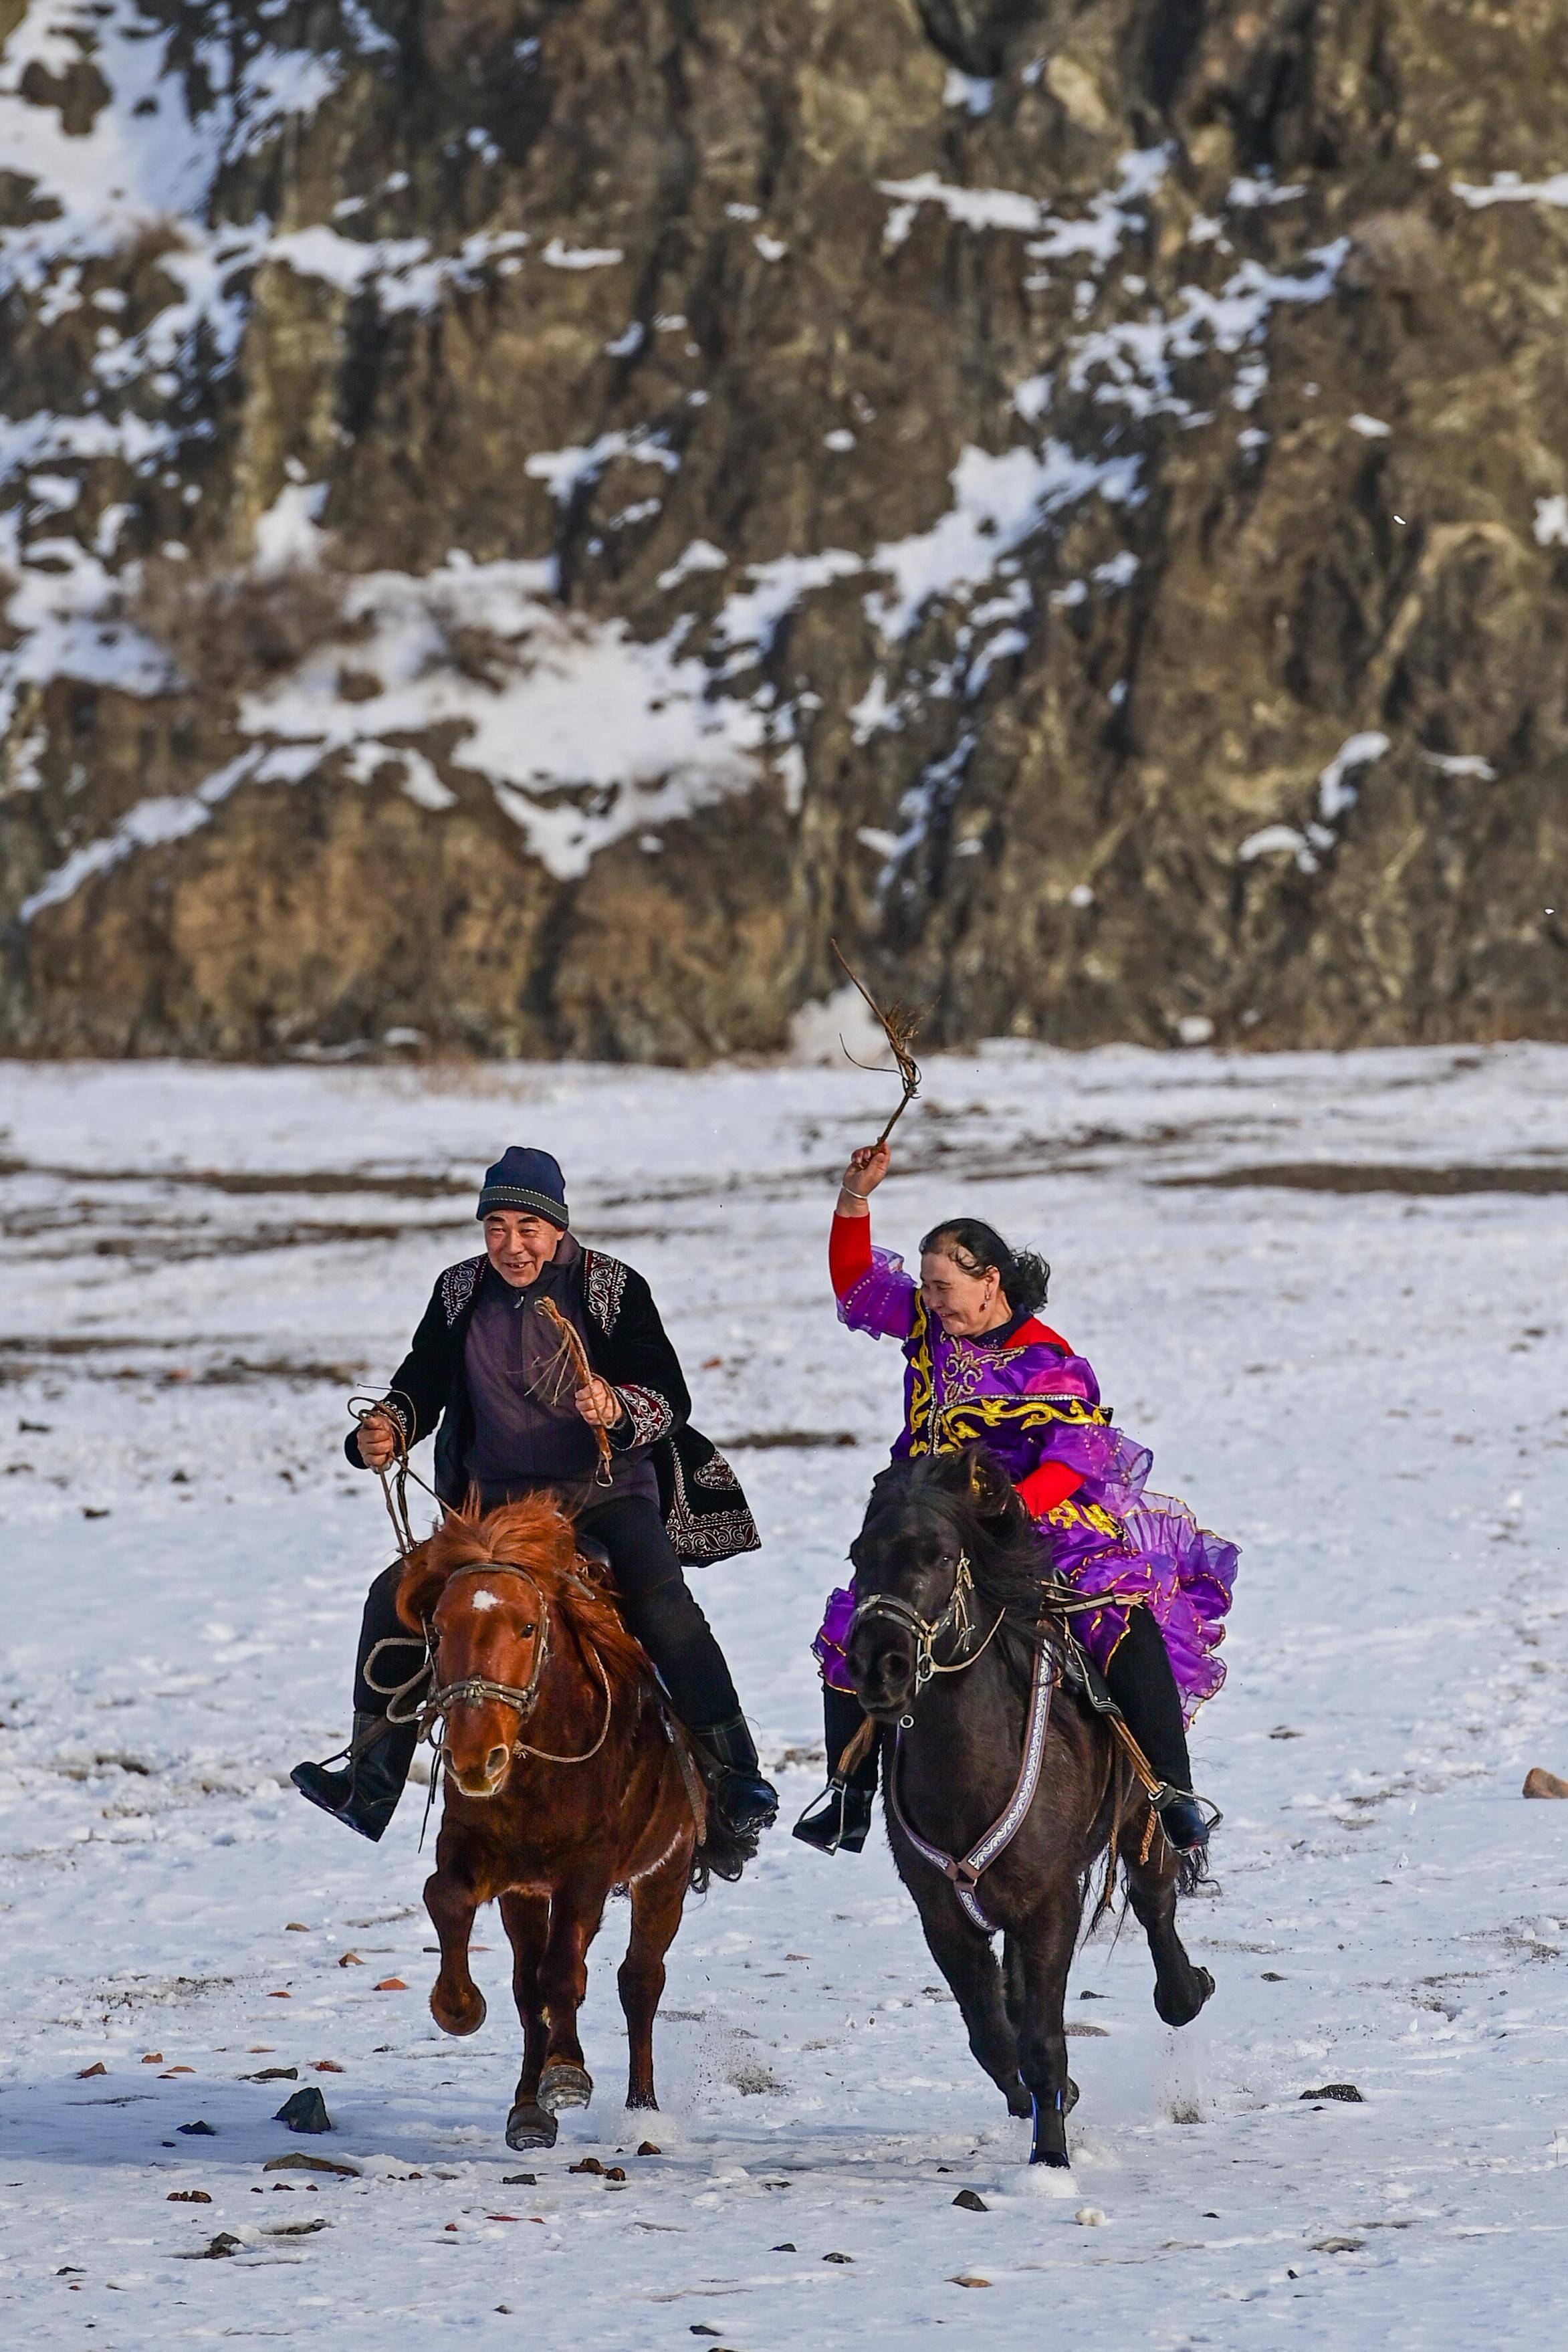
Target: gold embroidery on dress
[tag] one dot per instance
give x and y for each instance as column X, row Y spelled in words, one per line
column 966, row 1424
column 964, row 1372
column 1072, row 1514
column 922, row 1391
column 964, row 1418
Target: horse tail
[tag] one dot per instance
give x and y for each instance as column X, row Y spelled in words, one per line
column 723, row 1852
column 1117, row 1791
column 1192, row 1870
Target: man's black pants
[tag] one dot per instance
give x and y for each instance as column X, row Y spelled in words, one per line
column 653, row 1598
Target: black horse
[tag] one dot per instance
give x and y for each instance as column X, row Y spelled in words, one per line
column 1000, row 1792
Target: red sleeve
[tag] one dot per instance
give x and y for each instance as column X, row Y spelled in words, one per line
column 849, row 1251
column 1049, row 1485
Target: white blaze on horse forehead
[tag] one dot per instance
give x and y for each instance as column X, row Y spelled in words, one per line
column 483, row 1599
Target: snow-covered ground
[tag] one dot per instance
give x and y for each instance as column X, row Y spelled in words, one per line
column 1363, row 1385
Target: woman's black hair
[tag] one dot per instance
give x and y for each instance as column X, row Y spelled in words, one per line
column 975, row 1246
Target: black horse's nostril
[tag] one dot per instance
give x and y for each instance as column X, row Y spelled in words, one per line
column 884, row 1679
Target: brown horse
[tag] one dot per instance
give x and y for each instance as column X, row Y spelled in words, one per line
column 999, row 1801
column 562, row 1782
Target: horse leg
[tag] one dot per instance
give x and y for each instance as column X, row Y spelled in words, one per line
column 526, row 1918
column 575, row 1914
column 966, row 1958
column 657, row 1902
column 1015, row 1987
column 456, row 2002
column 1045, row 1955
column 1180, row 1987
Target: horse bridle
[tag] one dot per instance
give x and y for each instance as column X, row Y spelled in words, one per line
column 520, row 1697
column 928, row 1631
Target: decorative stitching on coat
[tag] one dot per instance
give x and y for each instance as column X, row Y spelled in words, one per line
column 652, row 1416
column 398, row 1409
column 604, row 1282
column 717, row 1476
column 716, row 1535
column 457, row 1287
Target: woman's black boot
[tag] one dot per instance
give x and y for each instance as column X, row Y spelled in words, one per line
column 839, row 1820
column 1183, row 1820
column 1140, row 1680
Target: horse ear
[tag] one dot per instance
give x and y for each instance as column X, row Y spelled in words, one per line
column 990, row 1489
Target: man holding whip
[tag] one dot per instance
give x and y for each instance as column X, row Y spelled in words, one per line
column 545, row 1365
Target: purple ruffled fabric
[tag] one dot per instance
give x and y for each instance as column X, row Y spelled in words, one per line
column 1163, row 1562
column 833, row 1639
column 1156, row 1556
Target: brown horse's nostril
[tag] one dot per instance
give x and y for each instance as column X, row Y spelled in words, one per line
column 495, row 1762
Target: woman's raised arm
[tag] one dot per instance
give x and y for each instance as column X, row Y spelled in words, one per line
column 849, row 1243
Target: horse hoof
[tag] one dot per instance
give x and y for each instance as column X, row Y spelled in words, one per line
column 1180, row 2008
column 529, row 2125
column 1054, row 2157
column 563, row 2086
column 460, row 2022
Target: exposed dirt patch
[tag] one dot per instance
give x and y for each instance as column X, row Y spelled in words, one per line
column 315, row 1181
column 1330, row 1176
column 771, row 1441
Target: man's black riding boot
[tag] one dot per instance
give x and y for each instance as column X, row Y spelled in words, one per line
column 1140, row 1680
column 364, row 1793
column 744, row 1799
column 839, row 1820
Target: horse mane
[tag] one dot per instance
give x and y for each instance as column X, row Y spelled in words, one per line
column 536, row 1535
column 972, row 1491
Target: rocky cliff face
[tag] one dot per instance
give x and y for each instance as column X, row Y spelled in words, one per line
column 521, row 519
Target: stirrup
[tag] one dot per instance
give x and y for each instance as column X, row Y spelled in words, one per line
column 1167, row 1798
column 846, row 1835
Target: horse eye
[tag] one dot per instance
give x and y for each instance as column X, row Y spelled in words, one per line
column 528, row 1630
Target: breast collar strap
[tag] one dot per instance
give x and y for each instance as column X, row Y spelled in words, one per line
column 963, row 1871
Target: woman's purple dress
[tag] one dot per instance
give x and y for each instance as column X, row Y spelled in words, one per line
column 1035, row 1404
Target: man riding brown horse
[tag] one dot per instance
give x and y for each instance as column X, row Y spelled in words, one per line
column 493, row 1373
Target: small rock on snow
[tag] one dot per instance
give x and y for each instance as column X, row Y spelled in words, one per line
column 305, row 2111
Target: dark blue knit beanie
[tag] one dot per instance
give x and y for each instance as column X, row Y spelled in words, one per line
column 525, row 1179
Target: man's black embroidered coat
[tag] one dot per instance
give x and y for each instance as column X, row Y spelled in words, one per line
column 705, row 1511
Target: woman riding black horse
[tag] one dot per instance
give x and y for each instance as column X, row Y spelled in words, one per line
column 1003, row 1787
column 983, row 1368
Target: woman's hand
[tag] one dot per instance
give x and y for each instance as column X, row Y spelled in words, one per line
column 865, row 1171
column 598, row 1403
column 379, row 1435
